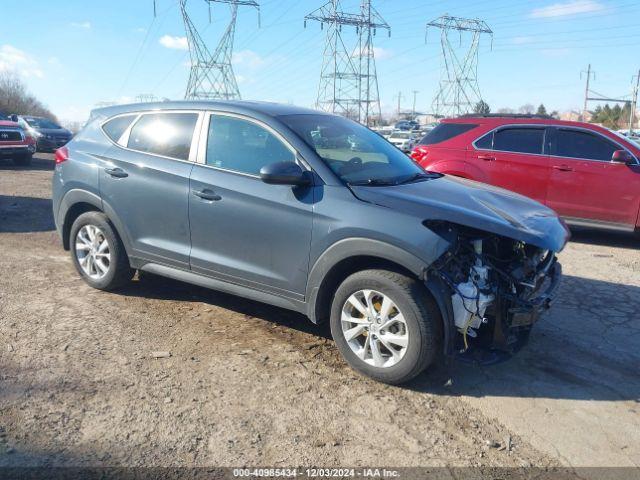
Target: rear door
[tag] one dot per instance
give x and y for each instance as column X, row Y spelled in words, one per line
column 144, row 182
column 586, row 184
column 243, row 230
column 515, row 157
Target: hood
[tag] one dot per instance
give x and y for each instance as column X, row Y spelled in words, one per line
column 8, row 123
column 474, row 205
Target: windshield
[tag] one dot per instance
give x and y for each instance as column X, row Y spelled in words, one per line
column 37, row 122
column 354, row 153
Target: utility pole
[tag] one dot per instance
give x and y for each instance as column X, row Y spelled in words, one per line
column 634, row 101
column 415, row 94
column 586, row 91
column 399, row 100
column 348, row 81
column 459, row 90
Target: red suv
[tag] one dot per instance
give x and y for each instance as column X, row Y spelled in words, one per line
column 588, row 174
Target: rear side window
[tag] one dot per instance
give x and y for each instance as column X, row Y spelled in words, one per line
column 446, row 131
column 577, row 144
column 115, row 127
column 521, row 140
column 243, row 146
column 166, row 134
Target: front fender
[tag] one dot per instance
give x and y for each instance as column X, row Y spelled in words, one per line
column 357, row 247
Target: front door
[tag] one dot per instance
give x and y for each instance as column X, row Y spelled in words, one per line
column 515, row 158
column 243, row 230
column 586, row 184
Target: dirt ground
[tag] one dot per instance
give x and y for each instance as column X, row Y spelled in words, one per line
column 249, row 384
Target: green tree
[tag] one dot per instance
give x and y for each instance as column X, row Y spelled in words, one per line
column 482, row 108
column 541, row 110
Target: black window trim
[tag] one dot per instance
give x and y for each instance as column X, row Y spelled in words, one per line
column 592, row 132
column 536, row 126
column 201, row 158
column 124, row 138
column 547, row 127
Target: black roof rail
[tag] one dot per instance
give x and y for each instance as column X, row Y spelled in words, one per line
column 505, row 115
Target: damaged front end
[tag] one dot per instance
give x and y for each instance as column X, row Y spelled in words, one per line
column 496, row 289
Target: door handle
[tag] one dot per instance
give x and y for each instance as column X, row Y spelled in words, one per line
column 486, row 158
column 207, row 194
column 563, row 168
column 116, row 172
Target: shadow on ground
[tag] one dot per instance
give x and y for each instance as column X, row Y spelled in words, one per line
column 25, row 214
column 38, row 163
column 583, row 349
column 605, row 238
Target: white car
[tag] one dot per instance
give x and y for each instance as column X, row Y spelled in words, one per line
column 405, row 141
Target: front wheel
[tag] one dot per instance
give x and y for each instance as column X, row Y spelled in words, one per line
column 98, row 253
column 386, row 325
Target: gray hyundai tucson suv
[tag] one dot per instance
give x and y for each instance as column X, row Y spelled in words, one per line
column 273, row 203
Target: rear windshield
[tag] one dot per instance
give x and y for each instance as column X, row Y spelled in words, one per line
column 446, row 131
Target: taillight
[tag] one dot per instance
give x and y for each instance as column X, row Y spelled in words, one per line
column 419, row 153
column 62, row 155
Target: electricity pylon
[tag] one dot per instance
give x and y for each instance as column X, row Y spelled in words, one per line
column 211, row 75
column 348, row 79
column 459, row 91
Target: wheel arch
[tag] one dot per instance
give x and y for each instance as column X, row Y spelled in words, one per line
column 75, row 203
column 347, row 257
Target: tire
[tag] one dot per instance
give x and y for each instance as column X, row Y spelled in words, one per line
column 23, row 160
column 118, row 271
column 422, row 325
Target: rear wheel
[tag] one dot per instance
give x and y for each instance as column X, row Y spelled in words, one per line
column 23, row 160
column 98, row 253
column 385, row 325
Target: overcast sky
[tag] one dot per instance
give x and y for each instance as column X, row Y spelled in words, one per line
column 76, row 53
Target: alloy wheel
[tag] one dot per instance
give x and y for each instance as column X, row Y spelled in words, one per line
column 93, row 252
column 374, row 328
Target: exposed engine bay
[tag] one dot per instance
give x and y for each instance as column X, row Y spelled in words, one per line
column 498, row 287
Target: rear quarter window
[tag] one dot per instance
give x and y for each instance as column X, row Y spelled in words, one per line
column 446, row 131
column 115, row 127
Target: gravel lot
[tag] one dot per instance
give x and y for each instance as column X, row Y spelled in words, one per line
column 248, row 384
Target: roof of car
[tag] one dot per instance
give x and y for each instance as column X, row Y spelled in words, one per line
column 240, row 106
column 512, row 119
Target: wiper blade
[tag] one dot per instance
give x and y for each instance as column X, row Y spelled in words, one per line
column 372, row 182
column 418, row 176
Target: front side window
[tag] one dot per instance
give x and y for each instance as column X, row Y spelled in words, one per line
column 520, row 140
column 578, row 144
column 243, row 146
column 355, row 154
column 166, row 134
column 115, row 127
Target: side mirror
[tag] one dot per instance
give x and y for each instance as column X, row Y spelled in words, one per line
column 623, row 156
column 284, row 173
column 14, row 118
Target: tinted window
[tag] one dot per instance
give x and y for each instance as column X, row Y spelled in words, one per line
column 167, row 134
column 353, row 152
column 522, row 140
column 446, row 131
column 576, row 144
column 243, row 146
column 115, row 127
column 486, row 142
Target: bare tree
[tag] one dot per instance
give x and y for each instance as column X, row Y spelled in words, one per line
column 15, row 98
column 526, row 109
